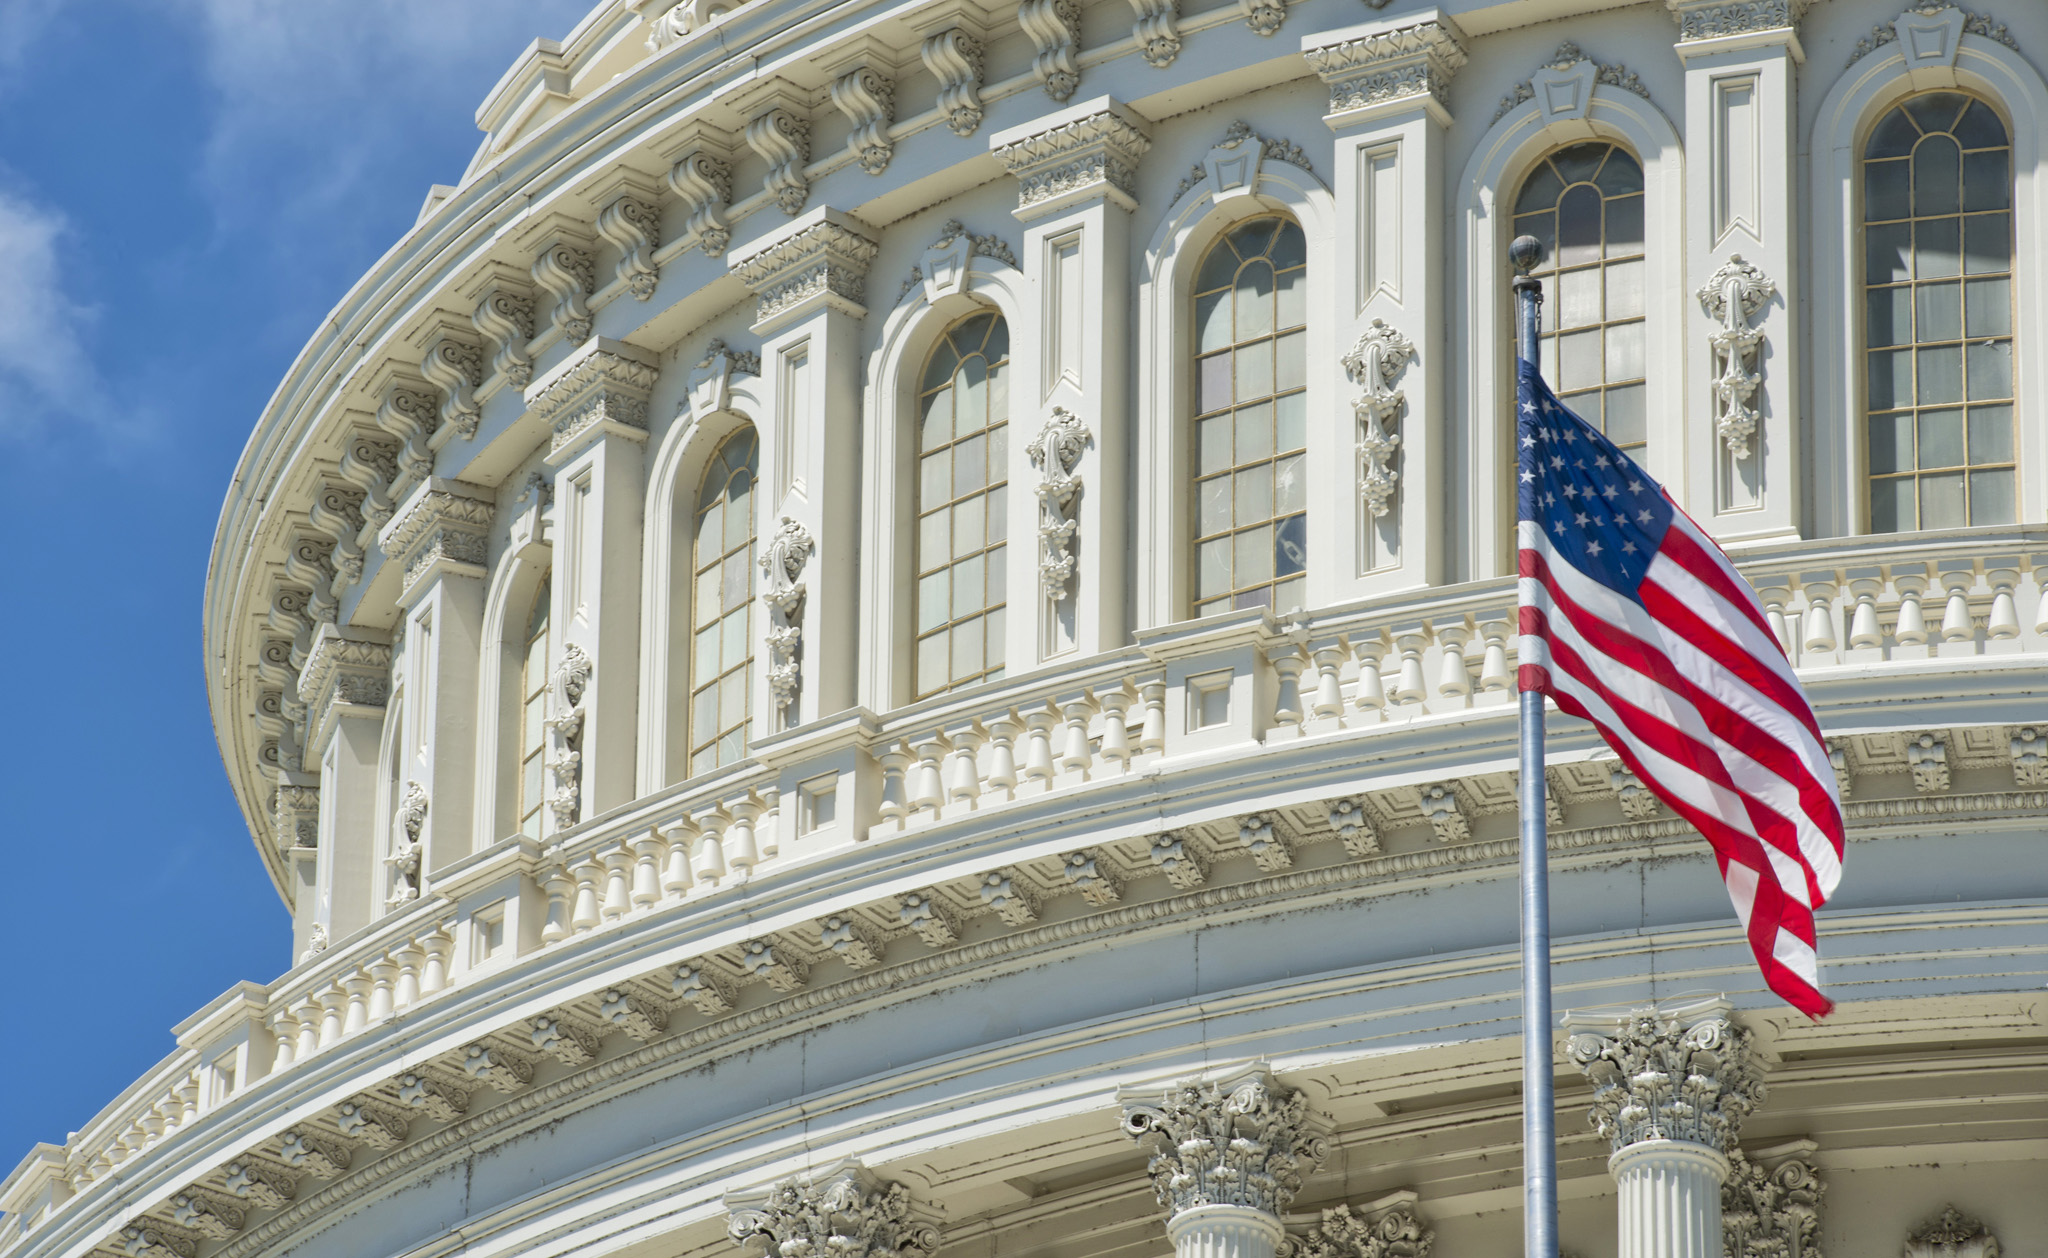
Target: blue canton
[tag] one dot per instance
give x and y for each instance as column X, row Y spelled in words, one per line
column 1601, row 512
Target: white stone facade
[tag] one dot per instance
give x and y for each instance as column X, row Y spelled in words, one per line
column 720, row 806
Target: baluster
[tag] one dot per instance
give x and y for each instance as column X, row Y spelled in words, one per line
column 560, row 886
column 1819, row 588
column 2004, row 620
column 357, row 985
column 585, row 915
column 1153, row 740
column 1002, row 754
column 1408, row 683
column 188, row 1097
column 1287, row 665
column 383, row 973
column 930, row 788
column 410, row 957
column 284, row 1032
column 895, row 798
column 1864, row 586
column 1452, row 679
column 332, row 1002
column 963, row 766
column 768, row 831
column 1038, row 766
column 1494, row 674
column 1329, row 658
column 647, row 851
column 1956, row 624
column 1115, row 703
column 1370, row 692
column 434, row 975
column 617, row 882
column 1911, row 582
column 1774, row 597
column 709, row 865
column 675, row 880
column 741, row 851
column 311, row 1015
column 1076, row 754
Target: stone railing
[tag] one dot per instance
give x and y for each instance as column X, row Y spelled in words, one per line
column 1239, row 689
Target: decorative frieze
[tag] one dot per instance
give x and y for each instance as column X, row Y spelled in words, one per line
column 842, row 1211
column 821, row 263
column 295, row 816
column 867, row 96
column 955, row 58
column 444, row 527
column 410, row 415
column 702, row 181
column 1054, row 27
column 1271, row 848
column 1638, row 802
column 153, row 1238
column 1090, row 151
column 1157, row 31
column 602, row 390
column 1395, row 1231
column 1403, row 62
column 1721, row 19
column 343, row 675
column 2029, row 750
column 1771, row 1212
column 782, row 561
column 1733, row 297
column 1374, row 362
column 1056, row 452
column 1951, row 1234
column 1684, row 1074
column 1242, row 1141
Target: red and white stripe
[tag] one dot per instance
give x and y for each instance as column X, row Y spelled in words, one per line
column 1693, row 691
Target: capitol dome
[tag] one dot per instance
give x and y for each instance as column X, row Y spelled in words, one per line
column 891, row 631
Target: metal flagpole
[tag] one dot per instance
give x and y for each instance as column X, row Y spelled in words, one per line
column 1539, row 1106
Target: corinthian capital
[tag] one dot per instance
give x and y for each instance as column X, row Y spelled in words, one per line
column 1685, row 1074
column 843, row 1211
column 1241, row 1141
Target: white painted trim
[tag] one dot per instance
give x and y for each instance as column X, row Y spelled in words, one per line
column 1859, row 97
column 512, row 585
column 1479, row 543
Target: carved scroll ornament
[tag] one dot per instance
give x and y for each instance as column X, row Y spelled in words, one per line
column 1733, row 297
column 783, row 562
column 565, row 734
column 1056, row 452
column 1373, row 364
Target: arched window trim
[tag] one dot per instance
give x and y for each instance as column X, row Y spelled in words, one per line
column 1482, row 452
column 1865, row 92
column 742, row 614
column 518, row 573
column 911, row 329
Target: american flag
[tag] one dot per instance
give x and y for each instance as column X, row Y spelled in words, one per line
column 1633, row 619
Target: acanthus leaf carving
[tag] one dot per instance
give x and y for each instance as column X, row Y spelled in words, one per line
column 498, row 1066
column 1951, row 1234
column 702, row 989
column 1396, row 1232
column 1568, row 57
column 1681, row 1075
column 634, row 224
column 1056, row 452
column 1771, row 1212
column 1413, row 60
column 783, row 560
column 439, row 1100
column 1244, row 1141
column 1055, row 29
column 1733, row 297
column 404, row 860
column 783, row 139
column 924, row 915
column 955, row 58
column 843, row 1212
column 868, row 99
column 1971, row 24
column 702, row 181
column 568, row 272
column 258, row 1182
column 1373, row 364
column 364, row 1120
column 563, row 1039
column 565, row 734
column 1094, row 877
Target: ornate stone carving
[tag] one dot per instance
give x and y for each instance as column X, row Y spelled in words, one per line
column 152, row 1238
column 955, row 59
column 775, row 964
column 439, row 1100
column 1717, row 19
column 1771, row 1213
column 2029, row 748
column 1569, row 58
column 505, row 318
column 603, row 392
column 1177, row 858
column 711, row 379
column 1927, row 758
column 1444, row 812
column 260, row 1183
column 1094, row 877
column 702, row 181
column 1157, row 31
column 1971, row 24
column 1952, row 1234
column 563, row 1039
column 295, row 814
column 498, row 1066
column 1352, row 827
column 1733, row 297
column 1409, row 61
column 943, row 267
column 373, row 1124
column 1244, row 1141
column 568, row 273
column 1638, row 802
column 316, row 942
column 868, row 99
column 1055, row 28
column 1396, row 1232
column 1005, row 893
column 371, row 466
column 1686, row 1075
column 924, row 915
column 637, row 1016
column 565, row 734
column 456, row 368
column 824, row 263
column 1056, row 452
column 411, row 416
column 404, row 860
column 313, row 1153
column 841, row 1212
column 1270, row 848
column 206, row 1214
column 1092, row 156
column 1263, row 16
column 783, row 560
column 633, row 223
column 702, row 989
column 781, row 135
column 342, row 674
column 442, row 523
column 851, row 940
column 1373, row 364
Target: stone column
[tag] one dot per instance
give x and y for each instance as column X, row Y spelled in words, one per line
column 1670, row 1090
column 842, row 1210
column 595, row 404
column 1070, row 430
column 1389, row 85
column 1226, row 1159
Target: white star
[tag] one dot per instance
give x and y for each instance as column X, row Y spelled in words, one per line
column 1600, row 462
column 1571, row 490
column 1635, row 487
column 1557, row 460
column 1644, row 516
column 1528, row 441
column 1527, row 477
column 1610, row 491
column 1628, row 548
column 1558, row 528
column 1528, row 408
column 1592, row 548
column 1583, row 519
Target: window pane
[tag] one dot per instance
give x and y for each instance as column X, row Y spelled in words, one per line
column 1991, row 370
column 1888, row 317
column 932, row 674
column 1891, row 443
column 968, row 587
column 1937, row 176
column 1987, row 307
column 970, row 465
column 1941, row 501
column 1212, row 383
column 1578, row 226
column 1212, row 320
column 1290, row 545
column 969, row 524
column 1290, row 421
column 1254, row 432
column 1254, row 492
column 997, row 565
column 1891, row 379
column 707, row 654
column 1625, row 351
column 1887, row 253
column 998, row 514
column 1254, row 301
column 1894, row 136
column 1212, row 444
column 1290, row 362
column 933, row 597
column 1253, row 561
column 1212, row 568
column 1290, row 484
column 1625, row 424
column 1578, row 359
column 1991, row 497
column 1212, row 506
column 738, row 582
column 1891, row 505
column 1578, row 301
column 1991, row 434
column 734, row 632
column 1291, row 302
column 1887, row 190
column 1941, row 375
column 935, row 476
column 937, row 428
column 1941, row 439
column 934, row 541
column 1939, row 313
column 1937, row 247
column 732, row 700
column 1987, row 240
column 1625, row 289
column 1255, row 371
column 1625, row 225
column 1987, row 181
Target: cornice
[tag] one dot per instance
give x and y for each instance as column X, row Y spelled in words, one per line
column 443, row 527
column 346, row 674
column 601, row 390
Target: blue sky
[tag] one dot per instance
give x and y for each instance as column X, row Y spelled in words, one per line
column 186, row 188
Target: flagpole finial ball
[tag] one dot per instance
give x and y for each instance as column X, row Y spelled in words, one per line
column 1524, row 252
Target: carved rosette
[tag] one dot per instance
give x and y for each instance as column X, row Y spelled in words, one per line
column 1658, row 1076
column 823, row 264
column 1373, row 364
column 841, row 1212
column 1056, row 452
column 1733, row 297
column 1396, row 1232
column 1771, row 1212
column 1245, row 1141
column 783, row 562
column 1086, row 157
column 1405, row 63
column 566, row 689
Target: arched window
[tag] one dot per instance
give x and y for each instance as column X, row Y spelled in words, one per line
column 1251, row 419
column 722, row 603
column 1585, row 204
column 963, row 414
column 533, row 694
column 1938, row 315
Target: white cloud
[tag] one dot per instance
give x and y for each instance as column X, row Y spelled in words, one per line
column 45, row 370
